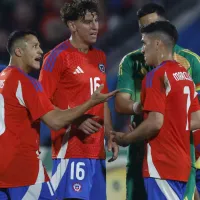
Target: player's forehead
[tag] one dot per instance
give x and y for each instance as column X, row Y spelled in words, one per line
column 144, row 37
column 31, row 39
column 90, row 15
column 148, row 19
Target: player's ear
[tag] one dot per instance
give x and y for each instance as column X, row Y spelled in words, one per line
column 71, row 26
column 157, row 44
column 18, row 52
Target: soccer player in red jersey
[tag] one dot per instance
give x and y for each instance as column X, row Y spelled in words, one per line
column 22, row 103
column 168, row 98
column 70, row 74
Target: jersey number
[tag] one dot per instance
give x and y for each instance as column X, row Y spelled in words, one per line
column 94, row 84
column 186, row 90
column 77, row 171
column 2, row 115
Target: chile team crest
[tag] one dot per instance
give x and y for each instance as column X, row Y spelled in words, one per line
column 77, row 187
column 102, row 68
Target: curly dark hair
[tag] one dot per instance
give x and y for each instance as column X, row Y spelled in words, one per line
column 75, row 9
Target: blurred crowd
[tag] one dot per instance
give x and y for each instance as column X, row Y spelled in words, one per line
column 43, row 17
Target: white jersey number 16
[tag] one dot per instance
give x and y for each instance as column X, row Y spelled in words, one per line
column 94, row 84
column 77, row 171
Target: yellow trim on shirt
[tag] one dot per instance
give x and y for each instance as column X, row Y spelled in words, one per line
column 192, row 53
column 120, row 64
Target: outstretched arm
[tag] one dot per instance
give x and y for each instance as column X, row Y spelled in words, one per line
column 57, row 119
column 149, row 128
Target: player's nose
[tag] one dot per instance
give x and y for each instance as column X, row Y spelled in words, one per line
column 94, row 25
column 142, row 50
column 40, row 51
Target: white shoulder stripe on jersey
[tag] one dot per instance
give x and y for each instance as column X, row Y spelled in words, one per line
column 167, row 84
column 19, row 94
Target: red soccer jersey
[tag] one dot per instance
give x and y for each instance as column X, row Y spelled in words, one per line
column 168, row 89
column 69, row 77
column 22, row 102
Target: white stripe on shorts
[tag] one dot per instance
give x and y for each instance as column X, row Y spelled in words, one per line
column 166, row 190
column 50, row 188
column 33, row 192
column 60, row 171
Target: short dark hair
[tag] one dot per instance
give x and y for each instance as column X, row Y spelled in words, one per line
column 164, row 27
column 76, row 9
column 17, row 35
column 151, row 8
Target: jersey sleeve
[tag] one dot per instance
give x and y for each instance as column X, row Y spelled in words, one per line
column 51, row 72
column 125, row 82
column 34, row 98
column 154, row 100
column 196, row 72
column 195, row 68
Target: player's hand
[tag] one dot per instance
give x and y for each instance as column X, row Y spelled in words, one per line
column 98, row 97
column 112, row 146
column 91, row 125
column 120, row 138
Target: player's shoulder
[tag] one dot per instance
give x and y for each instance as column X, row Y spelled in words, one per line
column 28, row 81
column 57, row 51
column 98, row 51
column 12, row 73
column 160, row 69
column 187, row 54
column 133, row 56
column 16, row 76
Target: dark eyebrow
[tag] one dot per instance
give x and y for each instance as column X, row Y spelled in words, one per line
column 36, row 43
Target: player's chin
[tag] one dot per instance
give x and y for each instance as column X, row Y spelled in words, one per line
column 36, row 66
column 147, row 61
column 92, row 40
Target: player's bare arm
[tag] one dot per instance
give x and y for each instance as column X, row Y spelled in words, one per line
column 112, row 146
column 125, row 105
column 57, row 119
column 195, row 121
column 149, row 128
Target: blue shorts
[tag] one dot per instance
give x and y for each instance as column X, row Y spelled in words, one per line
column 159, row 189
column 79, row 178
column 39, row 191
column 198, row 180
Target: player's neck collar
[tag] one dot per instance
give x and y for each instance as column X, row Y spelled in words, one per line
column 78, row 49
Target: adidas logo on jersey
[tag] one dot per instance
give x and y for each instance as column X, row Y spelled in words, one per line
column 78, row 70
